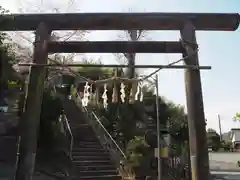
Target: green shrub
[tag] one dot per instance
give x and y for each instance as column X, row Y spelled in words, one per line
column 136, row 150
column 49, row 122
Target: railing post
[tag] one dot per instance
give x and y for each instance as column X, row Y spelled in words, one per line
column 29, row 124
column 196, row 119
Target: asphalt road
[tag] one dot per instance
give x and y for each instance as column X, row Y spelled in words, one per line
column 224, row 175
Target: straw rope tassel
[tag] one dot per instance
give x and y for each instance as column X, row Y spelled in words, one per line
column 137, row 93
column 122, row 91
column 86, row 95
column 104, row 96
column 115, row 93
column 141, row 92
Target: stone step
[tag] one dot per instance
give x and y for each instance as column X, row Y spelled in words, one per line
column 89, row 153
column 80, row 133
column 83, row 145
column 88, row 149
column 89, row 138
column 89, row 158
column 98, row 173
column 84, row 138
column 91, row 162
column 80, row 145
column 82, row 158
column 95, row 167
column 104, row 177
column 87, row 143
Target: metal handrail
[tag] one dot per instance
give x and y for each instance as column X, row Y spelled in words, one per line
column 109, row 135
column 67, row 126
column 102, row 126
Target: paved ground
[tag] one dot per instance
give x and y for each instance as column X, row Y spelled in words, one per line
column 223, row 175
column 226, row 161
column 223, row 165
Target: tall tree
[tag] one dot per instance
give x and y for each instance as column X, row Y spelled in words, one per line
column 213, row 139
column 130, row 58
column 236, row 118
column 7, row 58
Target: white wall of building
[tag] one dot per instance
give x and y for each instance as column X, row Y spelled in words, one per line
column 235, row 135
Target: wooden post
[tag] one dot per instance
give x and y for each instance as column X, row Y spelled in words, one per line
column 29, row 124
column 196, row 119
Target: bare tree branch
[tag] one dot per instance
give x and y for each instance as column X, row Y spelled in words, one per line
column 126, row 58
column 45, row 6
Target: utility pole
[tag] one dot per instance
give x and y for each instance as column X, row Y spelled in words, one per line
column 158, row 131
column 196, row 117
column 220, row 127
column 29, row 124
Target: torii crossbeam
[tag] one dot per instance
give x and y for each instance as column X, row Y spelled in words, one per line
column 120, row 21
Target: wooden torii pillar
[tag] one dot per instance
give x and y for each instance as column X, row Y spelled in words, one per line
column 196, row 118
column 29, row 125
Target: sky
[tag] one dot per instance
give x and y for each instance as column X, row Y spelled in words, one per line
column 220, row 50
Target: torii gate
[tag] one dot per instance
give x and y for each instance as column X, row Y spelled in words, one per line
column 187, row 23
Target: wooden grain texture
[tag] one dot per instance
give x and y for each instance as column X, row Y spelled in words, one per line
column 120, row 21
column 115, row 47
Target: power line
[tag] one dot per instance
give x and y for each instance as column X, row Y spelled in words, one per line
column 175, row 62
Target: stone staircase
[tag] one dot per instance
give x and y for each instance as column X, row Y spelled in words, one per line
column 9, row 119
column 90, row 159
column 8, row 138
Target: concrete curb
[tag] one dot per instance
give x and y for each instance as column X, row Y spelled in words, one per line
column 226, row 170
